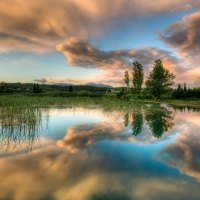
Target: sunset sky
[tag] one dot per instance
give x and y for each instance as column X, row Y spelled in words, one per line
column 84, row 41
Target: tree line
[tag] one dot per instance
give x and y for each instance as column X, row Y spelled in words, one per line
column 183, row 92
column 36, row 88
column 158, row 83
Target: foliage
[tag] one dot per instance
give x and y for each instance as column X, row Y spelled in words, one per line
column 160, row 80
column 182, row 92
column 127, row 79
column 70, row 88
column 36, row 88
column 138, row 76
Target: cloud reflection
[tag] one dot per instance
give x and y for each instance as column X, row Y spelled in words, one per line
column 183, row 153
column 68, row 169
column 54, row 173
column 79, row 137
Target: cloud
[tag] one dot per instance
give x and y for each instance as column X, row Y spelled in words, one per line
column 113, row 63
column 95, row 79
column 41, row 80
column 83, row 54
column 184, row 35
column 38, row 26
column 41, row 26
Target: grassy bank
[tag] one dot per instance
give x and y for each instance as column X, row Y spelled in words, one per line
column 105, row 101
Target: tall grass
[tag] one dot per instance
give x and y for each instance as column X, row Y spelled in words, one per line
column 34, row 101
column 20, row 122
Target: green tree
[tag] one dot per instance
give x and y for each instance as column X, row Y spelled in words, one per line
column 127, row 80
column 34, row 88
column 185, row 87
column 138, row 76
column 179, row 87
column 70, row 88
column 159, row 80
column 37, row 88
column 179, row 91
column 3, row 87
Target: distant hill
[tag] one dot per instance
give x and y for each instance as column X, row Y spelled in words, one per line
column 99, row 85
column 62, row 84
column 87, row 84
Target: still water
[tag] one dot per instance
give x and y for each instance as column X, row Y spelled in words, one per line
column 151, row 152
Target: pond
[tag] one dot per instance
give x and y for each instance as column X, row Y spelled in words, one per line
column 150, row 152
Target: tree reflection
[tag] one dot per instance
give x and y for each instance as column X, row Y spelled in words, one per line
column 126, row 119
column 137, row 123
column 183, row 108
column 159, row 119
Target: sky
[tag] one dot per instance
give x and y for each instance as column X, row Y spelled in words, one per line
column 95, row 41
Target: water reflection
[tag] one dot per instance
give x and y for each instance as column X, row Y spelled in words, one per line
column 107, row 172
column 183, row 108
column 20, row 127
column 137, row 123
column 183, row 152
column 97, row 155
column 79, row 137
column 159, row 119
column 126, row 119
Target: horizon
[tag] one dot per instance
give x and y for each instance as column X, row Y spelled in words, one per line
column 72, row 42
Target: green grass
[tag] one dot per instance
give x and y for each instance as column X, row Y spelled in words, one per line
column 105, row 101
column 46, row 101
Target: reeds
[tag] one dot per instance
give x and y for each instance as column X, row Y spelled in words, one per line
column 20, row 123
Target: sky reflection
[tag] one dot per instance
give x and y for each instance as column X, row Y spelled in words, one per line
column 98, row 156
